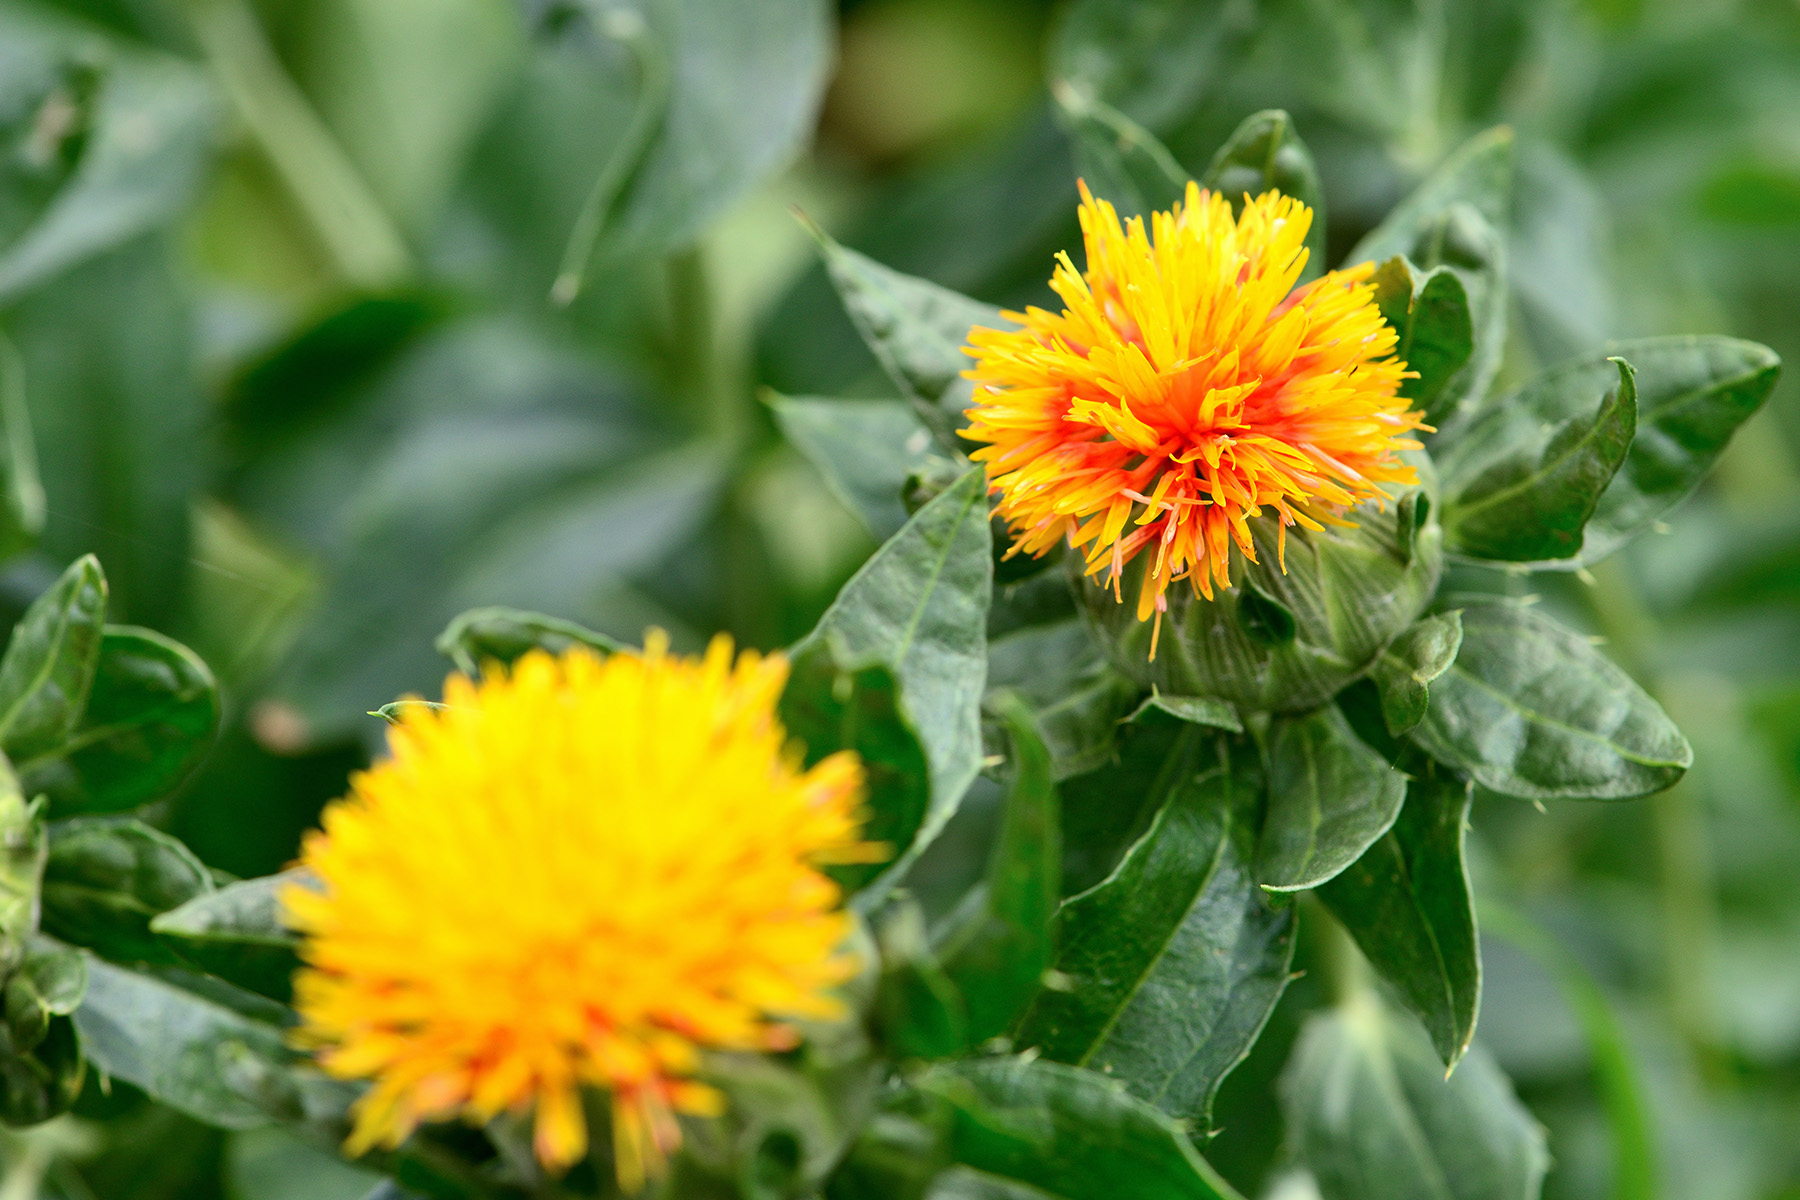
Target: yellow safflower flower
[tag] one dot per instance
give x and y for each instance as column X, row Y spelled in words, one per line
column 581, row 872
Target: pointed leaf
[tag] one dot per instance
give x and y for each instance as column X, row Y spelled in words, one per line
column 1196, row 710
column 21, row 487
column 1174, row 962
column 1404, row 671
column 1330, row 798
column 1521, row 479
column 1073, row 1132
column 1533, row 710
column 998, row 953
column 1075, row 694
column 1429, row 311
column 49, row 665
column 505, row 635
column 1263, row 154
column 1373, row 1117
column 1117, row 158
column 865, row 449
column 107, row 877
column 238, row 934
column 1407, row 904
column 919, row 608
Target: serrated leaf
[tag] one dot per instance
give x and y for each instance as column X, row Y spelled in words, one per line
column 919, row 608
column 1196, row 710
column 49, row 666
column 1533, row 710
column 1521, row 479
column 150, row 719
column 1002, row 941
column 1408, row 905
column 505, row 635
column 1069, row 1131
column 1074, row 693
column 1404, row 671
column 1430, row 314
column 1262, row 154
column 238, row 934
column 1118, row 159
column 829, row 706
column 106, row 879
column 865, row 449
column 1692, row 394
column 1173, row 962
column 1330, row 798
column 1373, row 1118
column 916, row 330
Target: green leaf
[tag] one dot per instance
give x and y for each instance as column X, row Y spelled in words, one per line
column 1117, row 158
column 1521, row 479
column 1074, row 693
column 1430, row 314
column 505, row 635
column 238, row 934
column 1407, row 904
column 1373, row 1118
column 1173, row 963
column 395, row 710
column 1075, row 1133
column 1452, row 220
column 1533, row 710
column 1151, row 59
column 1002, row 942
column 108, row 877
column 916, row 330
column 829, row 706
column 44, row 1081
column 58, row 976
column 865, row 449
column 273, row 1164
column 49, row 665
column 1404, row 671
column 150, row 720
column 1330, row 798
column 1262, row 154
column 919, row 1014
column 919, row 608
column 1692, row 394
column 21, row 489
column 23, row 847
column 1196, row 710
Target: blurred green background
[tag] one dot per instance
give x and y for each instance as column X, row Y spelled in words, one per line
column 275, row 289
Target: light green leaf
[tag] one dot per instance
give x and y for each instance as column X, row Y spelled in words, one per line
column 23, row 848
column 1330, row 798
column 1407, row 904
column 238, row 934
column 49, row 666
column 505, row 635
column 1173, row 963
column 108, row 877
column 21, row 488
column 1522, row 477
column 1534, row 710
column 1262, row 154
column 919, row 608
column 1117, row 158
column 1373, row 1118
column 1075, row 695
column 1429, row 311
column 865, row 449
column 1069, row 1131
column 1001, row 942
column 1196, row 710
column 273, row 1164
column 1404, row 671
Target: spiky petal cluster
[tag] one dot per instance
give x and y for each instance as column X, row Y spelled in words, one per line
column 1187, row 386
column 579, row 873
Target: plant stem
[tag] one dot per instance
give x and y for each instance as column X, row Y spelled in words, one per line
column 351, row 223
column 1346, row 972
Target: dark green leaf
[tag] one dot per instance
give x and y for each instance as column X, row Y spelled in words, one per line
column 1533, row 710
column 58, row 976
column 238, row 934
column 1692, row 394
column 1151, row 59
column 916, row 330
column 1075, row 1133
column 1117, row 158
column 1404, row 671
column 1000, row 946
column 919, row 608
column 107, row 877
column 1430, row 314
column 829, row 707
column 49, row 665
column 43, row 1082
column 1174, row 962
column 1263, row 154
column 918, row 1011
column 1196, row 710
column 1330, row 798
column 1373, row 1117
column 1521, row 479
column 1074, row 692
column 1407, row 904
column 1478, row 173
column 504, row 635
column 150, row 719
column 865, row 449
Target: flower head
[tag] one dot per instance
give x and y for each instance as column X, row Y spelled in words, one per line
column 581, row 872
column 1187, row 386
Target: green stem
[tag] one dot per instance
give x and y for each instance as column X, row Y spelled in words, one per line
column 1346, row 972
column 354, row 228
